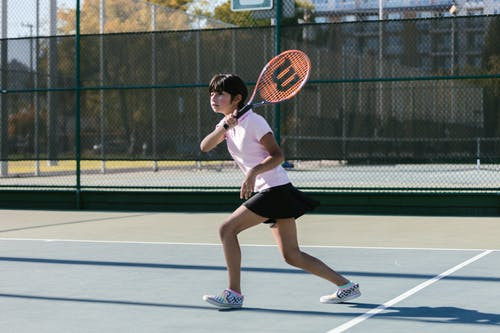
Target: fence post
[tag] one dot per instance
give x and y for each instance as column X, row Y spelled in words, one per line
column 36, row 105
column 277, row 122
column 154, row 82
column 102, row 119
column 4, row 114
column 52, row 105
column 77, row 104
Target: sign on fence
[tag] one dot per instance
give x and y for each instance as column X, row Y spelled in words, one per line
column 240, row 5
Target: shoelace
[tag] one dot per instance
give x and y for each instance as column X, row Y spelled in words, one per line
column 346, row 292
column 229, row 297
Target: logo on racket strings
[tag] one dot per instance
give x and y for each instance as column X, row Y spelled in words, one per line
column 285, row 76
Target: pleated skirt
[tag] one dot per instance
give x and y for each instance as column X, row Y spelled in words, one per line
column 284, row 201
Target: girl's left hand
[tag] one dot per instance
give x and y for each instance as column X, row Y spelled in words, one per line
column 231, row 119
column 247, row 186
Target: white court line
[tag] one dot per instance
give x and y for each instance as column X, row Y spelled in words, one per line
column 249, row 245
column 388, row 304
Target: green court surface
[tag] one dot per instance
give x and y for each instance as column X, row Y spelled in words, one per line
column 146, row 272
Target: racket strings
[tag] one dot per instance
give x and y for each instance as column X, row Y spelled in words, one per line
column 284, row 76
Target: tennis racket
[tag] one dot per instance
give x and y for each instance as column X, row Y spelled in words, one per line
column 281, row 79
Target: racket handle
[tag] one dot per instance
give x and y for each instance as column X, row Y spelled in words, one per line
column 243, row 110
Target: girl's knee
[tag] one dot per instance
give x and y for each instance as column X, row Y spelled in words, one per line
column 226, row 229
column 293, row 257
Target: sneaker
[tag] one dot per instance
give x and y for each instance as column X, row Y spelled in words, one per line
column 351, row 291
column 228, row 299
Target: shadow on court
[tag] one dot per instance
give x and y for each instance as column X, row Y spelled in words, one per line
column 170, row 305
column 244, row 269
column 440, row 314
column 443, row 315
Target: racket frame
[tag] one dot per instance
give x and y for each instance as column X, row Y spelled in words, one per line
column 250, row 105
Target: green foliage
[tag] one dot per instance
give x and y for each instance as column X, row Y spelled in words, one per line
column 177, row 4
column 304, row 13
column 126, row 16
column 240, row 18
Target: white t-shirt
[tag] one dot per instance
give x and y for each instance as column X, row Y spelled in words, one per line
column 243, row 143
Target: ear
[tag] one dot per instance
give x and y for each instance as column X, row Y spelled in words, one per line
column 237, row 98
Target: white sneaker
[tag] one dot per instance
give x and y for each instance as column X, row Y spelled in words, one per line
column 342, row 294
column 227, row 299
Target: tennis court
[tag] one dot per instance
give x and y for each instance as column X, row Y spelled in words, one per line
column 115, row 271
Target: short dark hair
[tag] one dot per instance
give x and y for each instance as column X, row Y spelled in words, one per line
column 231, row 84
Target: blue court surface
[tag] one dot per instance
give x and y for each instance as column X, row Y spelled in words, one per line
column 80, row 272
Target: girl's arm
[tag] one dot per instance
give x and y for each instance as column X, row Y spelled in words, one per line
column 275, row 158
column 213, row 139
column 217, row 136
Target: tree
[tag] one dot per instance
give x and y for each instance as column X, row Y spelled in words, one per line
column 239, row 18
column 126, row 16
column 177, row 4
column 127, row 61
column 304, row 13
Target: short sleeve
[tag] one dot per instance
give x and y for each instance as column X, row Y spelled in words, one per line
column 261, row 127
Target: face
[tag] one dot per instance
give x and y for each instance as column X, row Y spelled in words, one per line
column 221, row 102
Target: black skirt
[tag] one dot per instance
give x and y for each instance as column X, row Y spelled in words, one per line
column 284, row 201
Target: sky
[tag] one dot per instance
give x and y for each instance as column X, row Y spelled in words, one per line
column 22, row 14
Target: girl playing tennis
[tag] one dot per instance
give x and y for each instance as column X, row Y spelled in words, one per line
column 275, row 200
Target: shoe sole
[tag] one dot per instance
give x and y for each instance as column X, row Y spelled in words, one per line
column 345, row 299
column 221, row 305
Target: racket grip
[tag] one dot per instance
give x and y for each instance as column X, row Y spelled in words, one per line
column 243, row 110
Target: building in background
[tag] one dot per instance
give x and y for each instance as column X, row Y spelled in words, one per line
column 434, row 45
column 361, row 10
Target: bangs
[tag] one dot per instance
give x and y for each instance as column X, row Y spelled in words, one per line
column 231, row 84
column 217, row 84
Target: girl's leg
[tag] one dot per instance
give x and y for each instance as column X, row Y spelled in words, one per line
column 285, row 234
column 241, row 219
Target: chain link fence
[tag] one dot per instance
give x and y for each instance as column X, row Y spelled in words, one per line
column 410, row 102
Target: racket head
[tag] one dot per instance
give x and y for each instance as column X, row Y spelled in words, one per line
column 282, row 77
